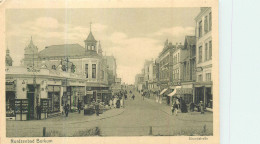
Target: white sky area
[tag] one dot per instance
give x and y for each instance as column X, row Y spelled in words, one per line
column 131, row 35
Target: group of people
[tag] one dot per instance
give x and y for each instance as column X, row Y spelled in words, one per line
column 179, row 104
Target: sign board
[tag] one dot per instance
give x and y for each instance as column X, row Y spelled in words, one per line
column 89, row 92
column 184, row 91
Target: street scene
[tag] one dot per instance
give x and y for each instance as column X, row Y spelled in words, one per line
column 107, row 72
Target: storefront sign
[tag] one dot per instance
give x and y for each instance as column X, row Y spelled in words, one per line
column 76, row 83
column 10, row 86
column 54, row 88
column 184, row 91
column 89, row 92
column 32, row 70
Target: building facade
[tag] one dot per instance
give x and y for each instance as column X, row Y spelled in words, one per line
column 55, row 76
column 203, row 86
column 165, row 60
column 139, row 82
column 188, row 69
column 111, row 69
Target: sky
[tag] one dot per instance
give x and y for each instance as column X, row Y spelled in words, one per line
column 131, row 35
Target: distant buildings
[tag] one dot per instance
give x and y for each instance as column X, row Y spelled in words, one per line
column 139, row 82
column 183, row 71
column 111, row 69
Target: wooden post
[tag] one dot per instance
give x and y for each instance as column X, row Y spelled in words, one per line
column 151, row 130
column 44, row 132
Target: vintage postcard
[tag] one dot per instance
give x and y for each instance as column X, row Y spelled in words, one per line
column 109, row 72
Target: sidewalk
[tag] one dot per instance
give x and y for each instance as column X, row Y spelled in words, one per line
column 189, row 116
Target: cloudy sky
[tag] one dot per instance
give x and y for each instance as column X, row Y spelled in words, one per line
column 131, row 35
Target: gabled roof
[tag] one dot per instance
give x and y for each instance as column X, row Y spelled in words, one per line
column 62, row 50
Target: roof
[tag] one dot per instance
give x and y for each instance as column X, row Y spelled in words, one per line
column 191, row 40
column 62, row 50
column 91, row 37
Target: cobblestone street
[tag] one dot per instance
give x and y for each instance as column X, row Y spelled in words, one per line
column 139, row 117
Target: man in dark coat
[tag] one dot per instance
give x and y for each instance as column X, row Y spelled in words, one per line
column 67, row 110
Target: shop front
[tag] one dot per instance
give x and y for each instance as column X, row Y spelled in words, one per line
column 161, row 97
column 54, row 98
column 186, row 92
column 75, row 93
column 10, row 95
column 203, row 92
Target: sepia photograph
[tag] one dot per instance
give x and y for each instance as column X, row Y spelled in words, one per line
column 110, row 72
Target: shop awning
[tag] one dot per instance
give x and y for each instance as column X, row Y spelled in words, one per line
column 163, row 91
column 172, row 93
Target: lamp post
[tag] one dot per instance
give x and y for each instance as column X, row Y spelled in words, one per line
column 67, row 67
column 35, row 83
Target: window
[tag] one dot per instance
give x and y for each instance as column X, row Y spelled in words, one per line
column 86, row 70
column 178, row 74
column 193, row 51
column 173, row 74
column 208, row 76
column 206, row 24
column 102, row 75
column 89, row 48
column 210, row 50
column 200, row 78
column 178, row 58
column 53, row 67
column 93, row 48
column 210, row 22
column 200, row 54
column 206, row 51
column 93, row 70
column 200, row 29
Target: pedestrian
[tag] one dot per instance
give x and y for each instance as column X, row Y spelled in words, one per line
column 118, row 103
column 110, row 103
column 122, row 102
column 114, row 102
column 79, row 107
column 183, row 106
column 192, row 107
column 133, row 97
column 172, row 108
column 97, row 108
column 67, row 110
column 201, row 107
column 175, row 108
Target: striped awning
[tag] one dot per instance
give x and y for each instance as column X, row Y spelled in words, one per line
column 172, row 93
column 163, row 91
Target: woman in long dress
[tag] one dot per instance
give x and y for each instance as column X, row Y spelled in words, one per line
column 114, row 102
